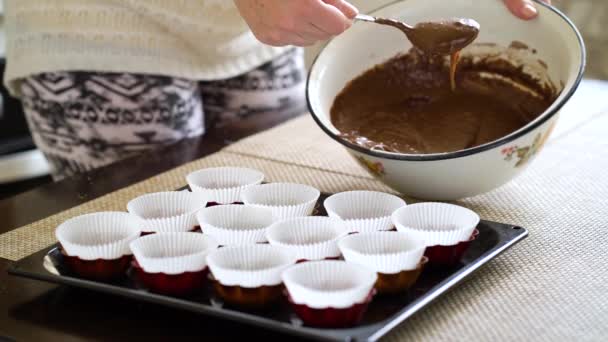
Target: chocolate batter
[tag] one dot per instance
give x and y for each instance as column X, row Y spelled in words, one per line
column 406, row 105
column 444, row 37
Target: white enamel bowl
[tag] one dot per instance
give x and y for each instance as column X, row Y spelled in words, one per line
column 449, row 176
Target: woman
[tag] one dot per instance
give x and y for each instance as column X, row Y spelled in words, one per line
column 101, row 80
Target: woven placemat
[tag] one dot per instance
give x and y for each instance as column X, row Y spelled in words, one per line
column 552, row 286
column 306, row 145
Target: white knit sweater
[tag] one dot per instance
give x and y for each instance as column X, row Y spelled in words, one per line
column 194, row 39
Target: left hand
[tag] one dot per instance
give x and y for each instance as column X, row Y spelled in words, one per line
column 524, row 9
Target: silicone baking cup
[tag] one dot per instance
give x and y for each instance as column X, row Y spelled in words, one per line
column 172, row 263
column 249, row 276
column 96, row 246
column 396, row 257
column 329, row 294
column 446, row 229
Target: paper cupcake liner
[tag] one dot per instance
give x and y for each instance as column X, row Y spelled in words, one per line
column 364, row 211
column 172, row 211
column 102, row 235
column 308, row 238
column 249, row 266
column 286, row 200
column 436, row 223
column 233, row 225
column 223, row 184
column 383, row 252
column 173, row 253
column 328, row 284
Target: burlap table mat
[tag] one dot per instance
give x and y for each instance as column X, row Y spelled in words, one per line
column 553, row 286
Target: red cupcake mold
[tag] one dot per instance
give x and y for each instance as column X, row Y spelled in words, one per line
column 332, row 317
column 249, row 298
column 98, row 269
column 181, row 284
column 447, row 256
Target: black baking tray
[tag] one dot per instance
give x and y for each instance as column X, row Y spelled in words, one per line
column 383, row 315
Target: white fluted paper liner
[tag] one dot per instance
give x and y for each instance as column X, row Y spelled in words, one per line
column 383, row 252
column 325, row 284
column 234, row 224
column 364, row 211
column 102, row 235
column 308, row 238
column 436, row 223
column 171, row 211
column 249, row 266
column 173, row 253
column 223, row 184
column 286, row 200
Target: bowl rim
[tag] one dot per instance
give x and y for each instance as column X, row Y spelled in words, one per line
column 544, row 117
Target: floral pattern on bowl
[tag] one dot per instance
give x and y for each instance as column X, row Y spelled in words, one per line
column 524, row 154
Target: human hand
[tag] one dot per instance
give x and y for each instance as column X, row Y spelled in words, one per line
column 524, row 9
column 296, row 22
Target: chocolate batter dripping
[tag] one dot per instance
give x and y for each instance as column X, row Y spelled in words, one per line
column 406, row 105
column 445, row 37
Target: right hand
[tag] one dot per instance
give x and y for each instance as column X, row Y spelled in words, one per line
column 296, row 22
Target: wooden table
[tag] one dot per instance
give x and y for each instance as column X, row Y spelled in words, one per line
column 32, row 310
